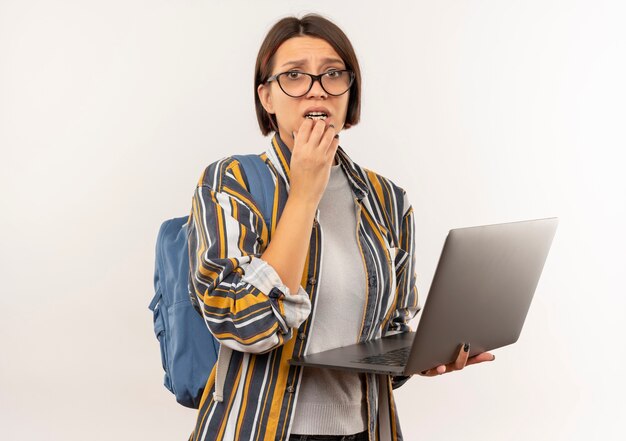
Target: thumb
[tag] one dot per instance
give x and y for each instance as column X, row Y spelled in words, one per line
column 461, row 360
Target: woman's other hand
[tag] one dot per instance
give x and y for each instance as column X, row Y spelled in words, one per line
column 315, row 145
column 462, row 360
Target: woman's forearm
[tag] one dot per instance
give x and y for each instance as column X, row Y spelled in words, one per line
column 287, row 250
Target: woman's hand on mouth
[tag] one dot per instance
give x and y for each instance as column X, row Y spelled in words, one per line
column 315, row 145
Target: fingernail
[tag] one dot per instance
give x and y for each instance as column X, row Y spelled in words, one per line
column 293, row 135
column 337, row 136
column 494, row 357
column 466, row 347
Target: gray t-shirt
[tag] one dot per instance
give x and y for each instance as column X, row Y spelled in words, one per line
column 332, row 402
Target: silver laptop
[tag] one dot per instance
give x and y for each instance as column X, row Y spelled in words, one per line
column 480, row 294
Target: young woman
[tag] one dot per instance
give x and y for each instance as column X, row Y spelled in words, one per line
column 335, row 267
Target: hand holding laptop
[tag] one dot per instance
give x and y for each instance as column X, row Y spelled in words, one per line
column 461, row 361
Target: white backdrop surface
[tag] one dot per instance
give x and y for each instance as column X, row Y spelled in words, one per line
column 485, row 111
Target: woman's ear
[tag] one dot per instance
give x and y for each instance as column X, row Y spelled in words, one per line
column 265, row 97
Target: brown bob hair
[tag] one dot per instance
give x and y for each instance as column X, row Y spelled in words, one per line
column 312, row 25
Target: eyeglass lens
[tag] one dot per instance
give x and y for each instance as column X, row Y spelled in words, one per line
column 297, row 83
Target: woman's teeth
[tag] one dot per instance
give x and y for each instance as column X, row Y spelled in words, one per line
column 316, row 115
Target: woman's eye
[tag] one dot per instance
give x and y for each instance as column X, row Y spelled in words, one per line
column 293, row 75
column 333, row 74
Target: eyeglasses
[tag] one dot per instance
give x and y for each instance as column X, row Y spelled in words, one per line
column 297, row 84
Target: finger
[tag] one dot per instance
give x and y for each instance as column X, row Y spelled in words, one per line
column 480, row 358
column 327, row 140
column 461, row 360
column 332, row 148
column 304, row 132
column 316, row 133
column 434, row 371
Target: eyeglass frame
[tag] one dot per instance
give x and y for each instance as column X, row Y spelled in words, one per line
column 314, row 78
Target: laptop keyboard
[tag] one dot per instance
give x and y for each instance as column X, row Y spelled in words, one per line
column 397, row 357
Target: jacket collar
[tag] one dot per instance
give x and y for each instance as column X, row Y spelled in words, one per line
column 280, row 156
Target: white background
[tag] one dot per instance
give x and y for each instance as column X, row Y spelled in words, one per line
column 484, row 111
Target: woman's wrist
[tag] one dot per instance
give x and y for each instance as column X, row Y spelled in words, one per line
column 304, row 204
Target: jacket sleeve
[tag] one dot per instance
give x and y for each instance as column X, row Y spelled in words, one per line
column 406, row 286
column 243, row 301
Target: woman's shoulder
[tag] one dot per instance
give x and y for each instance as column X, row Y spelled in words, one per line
column 374, row 176
column 224, row 172
column 384, row 188
column 374, row 180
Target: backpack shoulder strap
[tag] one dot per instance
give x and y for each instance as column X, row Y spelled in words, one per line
column 260, row 183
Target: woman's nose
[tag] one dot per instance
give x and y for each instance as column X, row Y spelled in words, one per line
column 317, row 89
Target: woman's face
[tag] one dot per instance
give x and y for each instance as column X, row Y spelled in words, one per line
column 310, row 55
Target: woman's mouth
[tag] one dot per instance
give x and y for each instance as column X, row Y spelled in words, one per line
column 316, row 115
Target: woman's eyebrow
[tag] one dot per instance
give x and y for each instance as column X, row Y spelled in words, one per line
column 301, row 62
